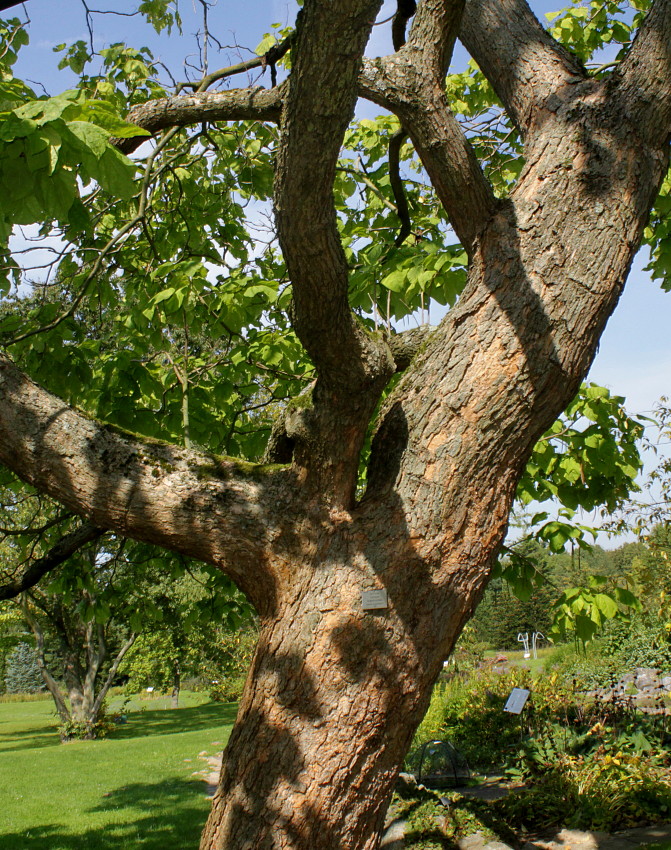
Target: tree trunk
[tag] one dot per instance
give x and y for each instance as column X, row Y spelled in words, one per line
column 176, row 685
column 336, row 692
column 334, row 695
column 52, row 685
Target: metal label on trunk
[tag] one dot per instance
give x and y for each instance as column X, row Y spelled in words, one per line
column 374, row 600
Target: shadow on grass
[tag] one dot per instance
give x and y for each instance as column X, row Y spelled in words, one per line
column 30, row 739
column 173, row 721
column 173, row 815
column 139, row 724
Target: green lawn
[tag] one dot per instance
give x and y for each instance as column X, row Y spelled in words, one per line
column 131, row 791
column 516, row 658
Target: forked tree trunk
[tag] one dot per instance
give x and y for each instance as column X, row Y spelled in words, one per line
column 81, row 713
column 336, row 692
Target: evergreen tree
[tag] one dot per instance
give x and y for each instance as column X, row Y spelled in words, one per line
column 22, row 675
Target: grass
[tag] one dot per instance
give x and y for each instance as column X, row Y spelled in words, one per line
column 41, row 697
column 516, row 658
column 134, row 790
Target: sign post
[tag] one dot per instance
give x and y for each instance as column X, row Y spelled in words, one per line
column 516, row 701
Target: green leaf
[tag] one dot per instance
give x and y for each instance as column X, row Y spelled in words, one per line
column 395, row 281
column 117, row 174
column 606, row 605
column 93, row 138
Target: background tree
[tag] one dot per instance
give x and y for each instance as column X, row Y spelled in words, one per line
column 91, row 640
column 202, row 618
column 22, row 673
column 87, row 610
column 542, row 170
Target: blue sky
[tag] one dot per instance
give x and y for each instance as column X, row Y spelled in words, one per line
column 634, row 357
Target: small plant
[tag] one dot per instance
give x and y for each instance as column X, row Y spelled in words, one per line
column 439, row 822
column 87, row 730
column 607, row 790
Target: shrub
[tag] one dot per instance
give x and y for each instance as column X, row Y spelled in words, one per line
column 469, row 713
column 89, row 729
column 591, row 764
column 235, row 651
column 608, row 790
column 641, row 642
column 644, row 642
column 229, row 690
column 41, row 697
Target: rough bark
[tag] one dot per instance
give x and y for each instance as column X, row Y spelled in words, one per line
column 353, row 365
column 335, row 691
column 523, row 63
column 256, row 104
column 212, row 508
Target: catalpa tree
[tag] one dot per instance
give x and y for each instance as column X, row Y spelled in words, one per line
column 517, row 193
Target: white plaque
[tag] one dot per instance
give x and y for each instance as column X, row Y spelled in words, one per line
column 374, row 600
column 516, row 700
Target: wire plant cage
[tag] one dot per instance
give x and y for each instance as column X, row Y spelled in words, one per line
column 441, row 765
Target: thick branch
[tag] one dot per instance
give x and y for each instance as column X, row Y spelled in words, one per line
column 406, row 345
column 256, row 104
column 209, row 508
column 323, row 89
column 282, row 441
column 66, row 546
column 645, row 75
column 523, row 63
column 112, row 673
column 434, row 31
column 411, row 84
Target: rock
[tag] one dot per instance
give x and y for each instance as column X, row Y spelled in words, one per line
column 393, row 836
column 477, row 841
column 406, row 782
column 666, row 683
column 648, row 702
column 646, row 677
column 576, row 838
